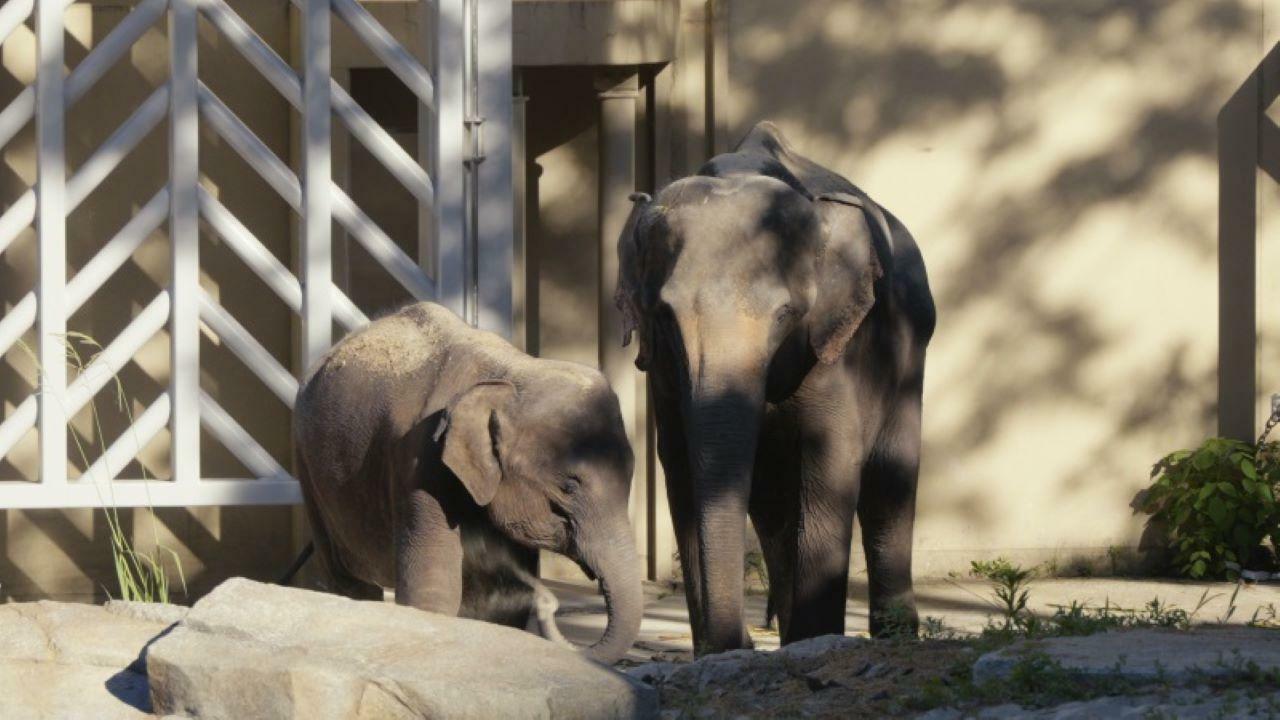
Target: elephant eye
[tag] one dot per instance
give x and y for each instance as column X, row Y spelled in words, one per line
column 570, row 484
column 786, row 312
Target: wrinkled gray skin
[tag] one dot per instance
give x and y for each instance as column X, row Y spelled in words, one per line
column 425, row 447
column 782, row 317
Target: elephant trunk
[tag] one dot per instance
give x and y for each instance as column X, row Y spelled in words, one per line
column 612, row 558
column 724, row 423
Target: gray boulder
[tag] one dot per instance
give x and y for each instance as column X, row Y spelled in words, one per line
column 255, row 650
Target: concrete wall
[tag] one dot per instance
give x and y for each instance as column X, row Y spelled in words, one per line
column 1056, row 162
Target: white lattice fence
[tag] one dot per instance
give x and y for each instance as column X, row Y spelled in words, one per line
column 191, row 109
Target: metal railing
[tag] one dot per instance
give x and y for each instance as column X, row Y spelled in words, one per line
column 190, row 108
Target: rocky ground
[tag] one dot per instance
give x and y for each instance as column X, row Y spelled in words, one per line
column 253, row 650
column 1203, row 673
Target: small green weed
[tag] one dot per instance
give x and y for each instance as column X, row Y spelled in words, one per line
column 140, row 576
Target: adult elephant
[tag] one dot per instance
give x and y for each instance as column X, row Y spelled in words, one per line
column 429, row 452
column 782, row 317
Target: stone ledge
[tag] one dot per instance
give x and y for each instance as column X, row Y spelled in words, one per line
column 1143, row 654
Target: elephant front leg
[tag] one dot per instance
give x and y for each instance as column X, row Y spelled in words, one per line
column 428, row 556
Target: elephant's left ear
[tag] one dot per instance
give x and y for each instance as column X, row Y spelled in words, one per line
column 857, row 250
column 473, row 428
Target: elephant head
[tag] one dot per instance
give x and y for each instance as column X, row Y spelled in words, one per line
column 737, row 286
column 549, row 462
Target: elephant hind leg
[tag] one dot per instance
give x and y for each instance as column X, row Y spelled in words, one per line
column 341, row 581
column 886, row 511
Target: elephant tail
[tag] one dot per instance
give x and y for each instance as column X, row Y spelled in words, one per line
column 303, row 557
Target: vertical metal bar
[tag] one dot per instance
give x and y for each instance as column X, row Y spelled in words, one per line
column 473, row 127
column 51, row 226
column 494, row 200
column 184, row 229
column 447, row 154
column 317, row 173
column 520, row 324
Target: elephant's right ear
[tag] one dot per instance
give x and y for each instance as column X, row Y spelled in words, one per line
column 473, row 428
column 630, row 277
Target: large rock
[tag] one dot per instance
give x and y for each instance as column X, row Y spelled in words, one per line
column 255, row 650
column 1145, row 654
column 61, row 660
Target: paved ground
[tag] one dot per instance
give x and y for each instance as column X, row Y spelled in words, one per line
column 963, row 605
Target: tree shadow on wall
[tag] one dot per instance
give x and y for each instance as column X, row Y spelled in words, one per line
column 1041, row 117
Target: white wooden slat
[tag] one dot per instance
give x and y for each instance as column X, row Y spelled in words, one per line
column 381, row 247
column 154, row 493
column 265, row 265
column 381, row 145
column 17, row 114
column 117, row 147
column 249, row 147
column 17, row 321
column 254, row 49
column 317, row 173
column 389, row 51
column 184, row 234
column 108, row 363
column 16, row 218
column 117, row 251
column 346, row 312
column 51, row 216
column 18, row 423
column 237, row 440
column 250, row 251
column 126, row 447
column 111, row 48
column 248, row 349
column 109, row 259
column 12, row 14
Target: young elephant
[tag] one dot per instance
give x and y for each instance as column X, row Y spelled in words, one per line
column 425, row 447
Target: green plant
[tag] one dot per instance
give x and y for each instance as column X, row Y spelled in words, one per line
column 1010, row 584
column 1218, row 503
column 140, row 576
column 897, row 620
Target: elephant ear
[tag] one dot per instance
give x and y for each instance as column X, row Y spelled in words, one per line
column 630, row 277
column 474, row 428
column 856, row 251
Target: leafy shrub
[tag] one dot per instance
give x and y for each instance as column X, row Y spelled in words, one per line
column 1218, row 502
column 1009, row 583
